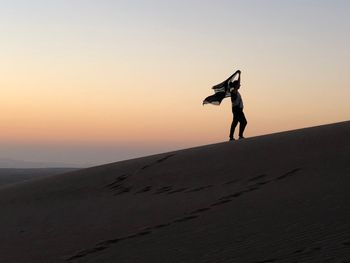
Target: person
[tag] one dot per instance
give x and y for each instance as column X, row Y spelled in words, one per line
column 237, row 108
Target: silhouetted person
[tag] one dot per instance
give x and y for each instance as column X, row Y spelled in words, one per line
column 237, row 109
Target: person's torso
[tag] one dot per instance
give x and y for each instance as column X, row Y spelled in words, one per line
column 236, row 100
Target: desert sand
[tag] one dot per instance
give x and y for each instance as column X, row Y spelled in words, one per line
column 17, row 175
column 281, row 197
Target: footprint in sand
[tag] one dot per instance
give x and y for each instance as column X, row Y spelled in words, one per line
column 158, row 161
column 200, row 210
column 231, row 182
column 165, row 158
column 144, row 190
column 117, row 182
column 256, row 178
column 184, row 219
column 177, row 190
column 163, row 189
column 161, row 225
column 199, row 188
column 221, row 202
column 290, row 173
column 123, row 190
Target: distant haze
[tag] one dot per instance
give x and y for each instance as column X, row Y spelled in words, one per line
column 9, row 163
column 74, row 155
column 91, row 82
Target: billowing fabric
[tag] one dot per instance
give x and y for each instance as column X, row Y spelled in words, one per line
column 222, row 90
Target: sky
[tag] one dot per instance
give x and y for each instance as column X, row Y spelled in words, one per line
column 90, row 82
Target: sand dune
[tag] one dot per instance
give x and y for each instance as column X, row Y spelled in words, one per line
column 17, row 175
column 277, row 198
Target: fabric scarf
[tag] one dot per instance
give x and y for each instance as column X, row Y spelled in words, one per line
column 222, row 90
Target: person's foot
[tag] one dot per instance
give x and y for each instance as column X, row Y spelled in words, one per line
column 241, row 137
column 232, row 139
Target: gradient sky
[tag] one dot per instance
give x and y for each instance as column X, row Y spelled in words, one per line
column 87, row 82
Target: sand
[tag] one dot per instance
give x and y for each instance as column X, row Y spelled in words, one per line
column 17, row 175
column 281, row 197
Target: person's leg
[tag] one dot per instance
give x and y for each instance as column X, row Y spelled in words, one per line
column 233, row 124
column 242, row 123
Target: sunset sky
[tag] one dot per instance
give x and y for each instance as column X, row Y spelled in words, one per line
column 89, row 82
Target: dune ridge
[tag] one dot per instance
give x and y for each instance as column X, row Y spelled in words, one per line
column 275, row 198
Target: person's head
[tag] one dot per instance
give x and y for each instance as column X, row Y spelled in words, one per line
column 235, row 85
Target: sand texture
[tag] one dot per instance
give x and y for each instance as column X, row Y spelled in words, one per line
column 283, row 197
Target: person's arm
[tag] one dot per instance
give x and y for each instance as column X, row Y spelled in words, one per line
column 239, row 76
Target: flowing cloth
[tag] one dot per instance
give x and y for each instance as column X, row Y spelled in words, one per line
column 222, row 90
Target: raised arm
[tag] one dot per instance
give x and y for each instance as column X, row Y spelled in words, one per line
column 239, row 76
